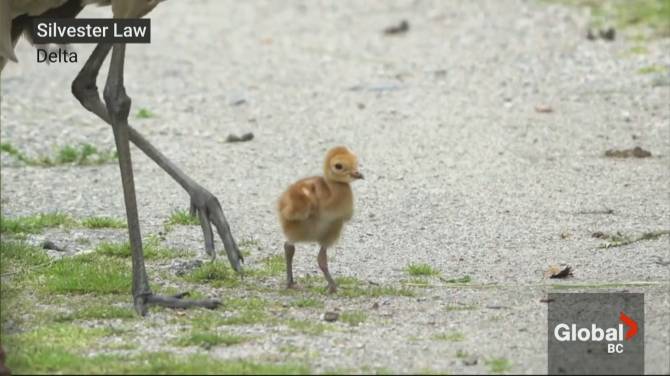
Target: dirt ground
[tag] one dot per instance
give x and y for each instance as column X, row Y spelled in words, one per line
column 481, row 130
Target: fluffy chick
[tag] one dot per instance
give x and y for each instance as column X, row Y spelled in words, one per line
column 314, row 209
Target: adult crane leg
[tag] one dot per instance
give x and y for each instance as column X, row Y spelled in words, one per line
column 204, row 203
column 118, row 107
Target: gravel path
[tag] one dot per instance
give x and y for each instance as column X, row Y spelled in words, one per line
column 462, row 172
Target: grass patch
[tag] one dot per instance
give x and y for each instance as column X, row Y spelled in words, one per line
column 208, row 340
column 307, row 327
column 33, row 224
column 272, row 266
column 99, row 312
column 216, row 273
column 60, row 359
column 82, row 155
column 144, row 113
column 353, row 318
column 307, row 303
column 498, row 365
column 16, row 255
column 457, row 308
column 14, row 152
column 86, row 274
column 180, row 217
column 103, row 222
column 620, row 240
column 421, row 270
column 151, row 248
column 464, row 279
column 640, row 14
column 652, row 69
column 449, row 337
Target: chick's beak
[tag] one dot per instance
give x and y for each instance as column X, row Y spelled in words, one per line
column 357, row 175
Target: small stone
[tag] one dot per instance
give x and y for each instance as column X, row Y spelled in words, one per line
column 330, row 316
column 235, row 138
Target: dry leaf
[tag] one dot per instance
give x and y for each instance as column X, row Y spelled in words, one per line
column 556, row 272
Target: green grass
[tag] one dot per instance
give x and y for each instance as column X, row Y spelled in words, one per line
column 86, row 274
column 628, row 14
column 216, row 273
column 82, row 155
column 33, row 224
column 43, row 358
column 449, row 337
column 144, row 113
column 307, row 303
column 421, row 270
column 457, row 308
column 234, row 311
column 12, row 252
column 498, row 365
column 208, row 340
column 620, row 240
column 308, row 327
column 103, row 222
column 11, row 150
column 652, row 69
column 151, row 248
column 99, row 312
column 180, row 217
column 464, row 279
column 353, row 318
column 272, row 266
column 36, row 223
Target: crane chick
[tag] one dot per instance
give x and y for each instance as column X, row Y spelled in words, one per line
column 314, row 209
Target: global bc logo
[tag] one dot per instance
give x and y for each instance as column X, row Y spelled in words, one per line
column 614, row 336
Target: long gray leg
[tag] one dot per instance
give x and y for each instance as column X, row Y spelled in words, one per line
column 289, row 251
column 118, row 107
column 323, row 265
column 202, row 202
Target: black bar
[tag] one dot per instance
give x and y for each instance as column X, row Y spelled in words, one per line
column 91, row 30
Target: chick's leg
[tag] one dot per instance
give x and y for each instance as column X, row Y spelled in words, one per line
column 323, row 265
column 289, row 251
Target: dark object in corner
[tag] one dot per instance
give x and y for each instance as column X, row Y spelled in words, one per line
column 4, row 371
column 400, row 28
column 235, row 138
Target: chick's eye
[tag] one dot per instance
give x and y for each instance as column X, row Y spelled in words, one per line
column 338, row 166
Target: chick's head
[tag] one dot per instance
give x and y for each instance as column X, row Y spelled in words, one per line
column 341, row 165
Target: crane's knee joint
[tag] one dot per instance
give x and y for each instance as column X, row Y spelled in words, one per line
column 118, row 103
column 84, row 90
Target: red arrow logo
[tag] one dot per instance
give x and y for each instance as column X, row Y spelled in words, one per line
column 631, row 324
